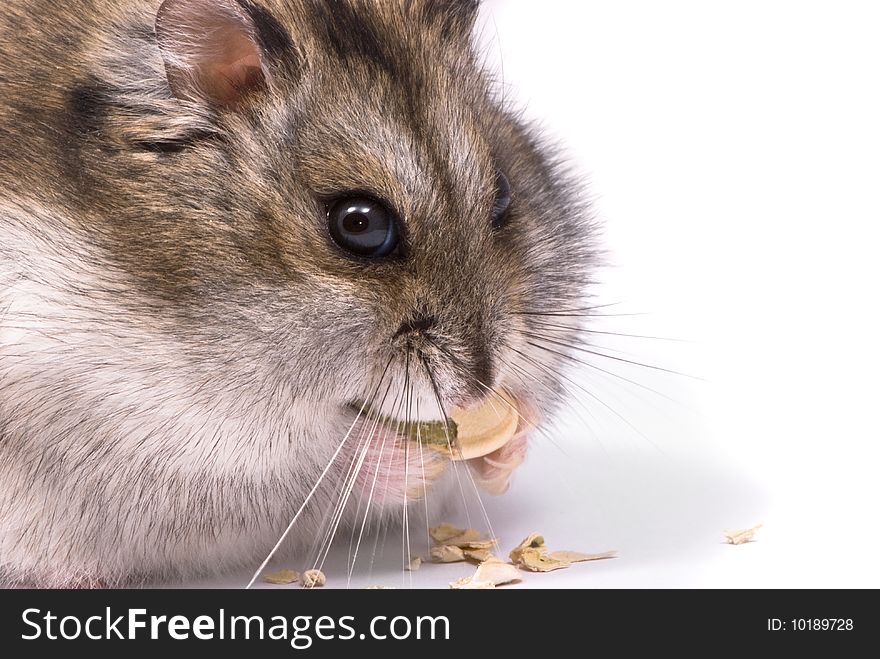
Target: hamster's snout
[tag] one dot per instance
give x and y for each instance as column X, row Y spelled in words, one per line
column 418, row 324
column 452, row 350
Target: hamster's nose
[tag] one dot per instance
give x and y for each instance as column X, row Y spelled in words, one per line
column 416, row 324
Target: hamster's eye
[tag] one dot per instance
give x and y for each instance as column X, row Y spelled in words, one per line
column 502, row 201
column 363, row 226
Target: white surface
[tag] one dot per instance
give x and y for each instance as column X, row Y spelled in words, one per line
column 734, row 150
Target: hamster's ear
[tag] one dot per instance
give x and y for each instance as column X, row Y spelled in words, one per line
column 214, row 50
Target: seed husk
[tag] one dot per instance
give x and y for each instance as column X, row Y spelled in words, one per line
column 313, row 579
column 741, row 536
column 447, row 554
column 489, row 574
column 282, row 577
column 467, row 433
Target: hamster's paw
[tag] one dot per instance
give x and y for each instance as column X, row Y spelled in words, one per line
column 493, row 472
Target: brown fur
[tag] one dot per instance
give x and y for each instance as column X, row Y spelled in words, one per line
column 208, row 220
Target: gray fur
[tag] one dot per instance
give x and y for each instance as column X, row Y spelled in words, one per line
column 179, row 335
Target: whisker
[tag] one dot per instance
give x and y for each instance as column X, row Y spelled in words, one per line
column 586, row 330
column 574, row 314
column 524, row 378
column 318, row 555
column 537, row 312
column 405, row 540
column 372, row 492
column 424, row 477
column 572, row 338
column 350, row 480
column 372, row 432
column 384, row 525
column 449, row 355
column 446, row 429
column 532, row 423
column 311, row 492
column 348, row 483
column 619, row 359
column 584, row 362
column 449, row 445
column 352, row 554
column 593, row 396
column 367, row 432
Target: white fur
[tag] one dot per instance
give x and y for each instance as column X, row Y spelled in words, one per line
column 122, row 457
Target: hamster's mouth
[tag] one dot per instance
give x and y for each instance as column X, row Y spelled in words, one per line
column 467, row 433
column 400, row 458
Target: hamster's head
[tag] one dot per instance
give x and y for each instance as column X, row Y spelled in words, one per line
column 338, row 188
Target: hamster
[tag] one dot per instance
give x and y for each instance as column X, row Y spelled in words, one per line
column 235, row 236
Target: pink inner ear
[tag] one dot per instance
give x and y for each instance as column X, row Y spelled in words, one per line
column 210, row 50
column 230, row 74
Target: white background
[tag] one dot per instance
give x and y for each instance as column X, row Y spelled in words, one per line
column 733, row 150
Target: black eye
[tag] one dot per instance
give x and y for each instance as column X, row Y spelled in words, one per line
column 502, row 201
column 363, row 226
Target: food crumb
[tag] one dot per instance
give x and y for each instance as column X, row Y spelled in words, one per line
column 414, row 564
column 478, row 555
column 497, row 572
column 453, row 545
column 532, row 554
column 489, row 574
column 533, row 541
column 313, row 579
column 441, row 533
column 447, row 554
column 538, row 560
column 282, row 577
column 578, row 557
column 741, row 536
column 468, row 583
column 447, row 534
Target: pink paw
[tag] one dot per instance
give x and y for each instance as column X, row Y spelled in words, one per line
column 492, row 472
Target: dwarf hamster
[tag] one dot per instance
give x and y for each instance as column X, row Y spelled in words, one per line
column 234, row 234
